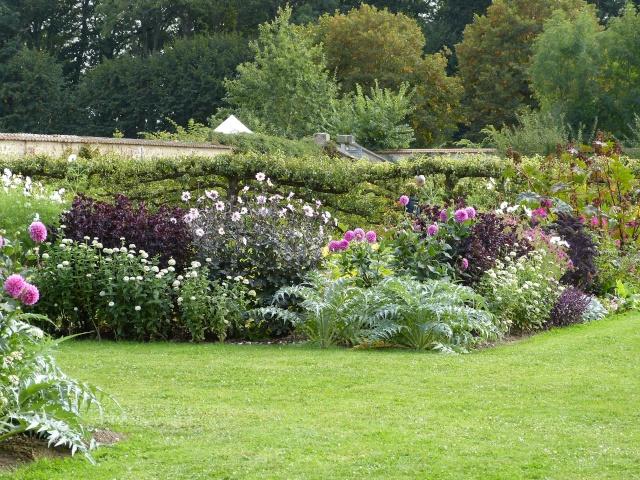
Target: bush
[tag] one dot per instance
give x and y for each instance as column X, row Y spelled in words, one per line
column 267, row 239
column 582, row 251
column 594, row 311
column 568, row 309
column 163, row 233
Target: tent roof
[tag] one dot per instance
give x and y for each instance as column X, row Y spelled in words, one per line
column 232, row 125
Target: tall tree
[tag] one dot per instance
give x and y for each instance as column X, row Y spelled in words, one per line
column 494, row 56
column 565, row 68
column 286, row 87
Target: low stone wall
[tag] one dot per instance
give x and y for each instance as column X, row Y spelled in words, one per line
column 21, row 144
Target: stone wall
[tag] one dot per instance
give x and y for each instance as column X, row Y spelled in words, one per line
column 21, row 144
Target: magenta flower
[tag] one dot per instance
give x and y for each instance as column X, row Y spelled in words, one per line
column 334, row 246
column 443, row 215
column 359, row 234
column 538, row 213
column 583, row 219
column 343, row 244
column 461, row 216
column 404, row 200
column 371, row 236
column 471, row 212
column 1, row 241
column 465, row 263
column 14, row 285
column 30, row 295
column 432, row 230
column 349, row 235
column 38, row 232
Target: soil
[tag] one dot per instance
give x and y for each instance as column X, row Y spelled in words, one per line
column 19, row 450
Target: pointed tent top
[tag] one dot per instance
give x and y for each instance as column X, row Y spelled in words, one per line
column 232, row 125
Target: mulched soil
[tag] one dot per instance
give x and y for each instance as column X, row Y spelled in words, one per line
column 22, row 449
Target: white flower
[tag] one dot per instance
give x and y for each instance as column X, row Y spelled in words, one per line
column 171, row 269
column 180, row 277
column 193, row 299
column 194, row 274
column 180, row 299
column 308, row 211
column 65, row 263
column 261, row 199
column 155, row 269
column 221, row 231
column 72, row 158
column 269, row 182
column 45, row 256
column 196, row 264
column 199, row 232
column 211, row 194
column 176, row 283
column 126, row 279
column 235, row 216
column 243, row 211
column 208, row 260
column 171, row 262
column 14, row 379
column 220, row 206
column 129, row 256
column 123, row 250
column 186, row 196
column 111, row 304
column 137, row 308
column 260, row 177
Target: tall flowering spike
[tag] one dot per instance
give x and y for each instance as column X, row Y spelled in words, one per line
column 30, row 295
column 461, row 216
column 404, row 200
column 349, row 236
column 38, row 232
column 371, row 236
column 14, row 285
column 359, row 234
column 471, row 212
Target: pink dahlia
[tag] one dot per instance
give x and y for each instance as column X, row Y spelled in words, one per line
column 461, row 216
column 432, row 230
column 359, row 234
column 38, row 232
column 349, row 235
column 30, row 295
column 14, row 285
column 404, row 200
column 443, row 215
column 471, row 212
column 371, row 236
column 465, row 263
column 343, row 244
column 334, row 246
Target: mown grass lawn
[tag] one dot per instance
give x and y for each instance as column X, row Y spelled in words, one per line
column 563, row 404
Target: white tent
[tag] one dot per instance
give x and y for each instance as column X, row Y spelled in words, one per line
column 232, row 125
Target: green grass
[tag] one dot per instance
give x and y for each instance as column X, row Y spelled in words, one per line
column 564, row 404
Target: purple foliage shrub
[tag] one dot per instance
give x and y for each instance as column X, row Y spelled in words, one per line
column 569, row 308
column 162, row 233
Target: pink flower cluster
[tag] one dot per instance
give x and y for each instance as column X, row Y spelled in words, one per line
column 38, row 232
column 351, row 235
column 17, row 287
column 404, row 200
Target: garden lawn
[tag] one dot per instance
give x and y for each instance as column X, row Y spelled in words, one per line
column 563, row 404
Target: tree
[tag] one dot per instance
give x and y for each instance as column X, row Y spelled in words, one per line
column 368, row 45
column 495, row 54
column 32, row 94
column 286, row 86
column 378, row 120
column 565, row 68
column 450, row 20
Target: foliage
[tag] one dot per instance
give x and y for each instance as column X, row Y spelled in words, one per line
column 569, row 308
column 536, row 133
column 391, row 58
column 599, row 186
column 431, row 315
column 522, row 291
column 32, row 94
column 594, row 311
column 368, row 262
column 494, row 56
column 22, row 201
column 286, row 86
column 378, row 120
column 267, row 239
column 582, row 251
column 207, row 306
column 162, row 233
column 333, row 311
column 35, row 395
column 615, row 264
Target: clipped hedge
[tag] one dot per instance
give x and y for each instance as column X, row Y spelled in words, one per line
column 354, row 187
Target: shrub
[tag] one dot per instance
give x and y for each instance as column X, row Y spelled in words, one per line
column 162, row 233
column 594, row 311
column 269, row 240
column 35, row 395
column 431, row 315
column 568, row 309
column 582, row 251
column 522, row 291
